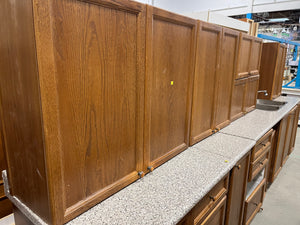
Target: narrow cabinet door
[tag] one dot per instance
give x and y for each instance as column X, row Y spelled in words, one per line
column 238, row 98
column 243, row 56
column 170, row 46
column 289, row 131
column 209, row 38
column 255, row 56
column 278, row 72
column 237, row 192
column 251, row 93
column 230, row 41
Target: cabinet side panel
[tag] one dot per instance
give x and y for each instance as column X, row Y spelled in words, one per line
column 21, row 110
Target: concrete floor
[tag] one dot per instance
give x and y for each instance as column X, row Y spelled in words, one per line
column 282, row 202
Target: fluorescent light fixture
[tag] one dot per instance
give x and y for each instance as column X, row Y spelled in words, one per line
column 278, row 20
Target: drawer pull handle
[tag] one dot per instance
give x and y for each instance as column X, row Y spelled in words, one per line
column 255, row 204
column 261, row 163
column 264, row 144
column 141, row 174
column 212, row 198
column 150, row 168
column 238, row 166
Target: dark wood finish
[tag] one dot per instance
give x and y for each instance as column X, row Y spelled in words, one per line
column 207, row 68
column 238, row 99
column 244, row 53
column 21, row 108
column 294, row 131
column 237, row 192
column 271, row 69
column 255, row 55
column 289, row 134
column 280, row 137
column 209, row 206
column 20, row 218
column 251, row 93
column 254, row 202
column 5, row 206
column 169, row 75
column 75, row 117
column 230, row 43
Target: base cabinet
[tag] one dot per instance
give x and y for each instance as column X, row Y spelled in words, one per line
column 237, row 191
column 294, row 130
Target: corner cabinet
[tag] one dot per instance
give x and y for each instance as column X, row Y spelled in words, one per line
column 170, row 49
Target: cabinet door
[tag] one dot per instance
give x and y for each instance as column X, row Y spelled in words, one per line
column 229, row 52
column 244, row 56
column 238, row 99
column 170, row 62
column 287, row 144
column 294, row 131
column 278, row 153
column 281, row 69
column 251, row 93
column 278, row 72
column 237, row 192
column 206, row 71
column 255, row 56
column 267, row 73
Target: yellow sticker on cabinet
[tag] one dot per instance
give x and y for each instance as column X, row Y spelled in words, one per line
column 172, row 82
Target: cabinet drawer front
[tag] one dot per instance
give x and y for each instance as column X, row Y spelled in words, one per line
column 262, row 144
column 259, row 164
column 254, row 202
column 206, row 205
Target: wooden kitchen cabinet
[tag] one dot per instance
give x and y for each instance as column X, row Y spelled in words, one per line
column 244, row 54
column 229, row 50
column 271, row 69
column 238, row 99
column 237, row 191
column 289, row 134
column 294, row 130
column 255, row 55
column 169, row 74
column 76, row 116
column 251, row 93
column 210, row 210
column 207, row 69
column 277, row 154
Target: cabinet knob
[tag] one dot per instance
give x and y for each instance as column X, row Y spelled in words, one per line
column 150, row 168
column 212, row 198
column 238, row 166
column 141, row 174
column 261, row 163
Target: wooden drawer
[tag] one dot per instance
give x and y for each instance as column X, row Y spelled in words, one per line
column 254, row 202
column 205, row 206
column 259, row 164
column 262, row 144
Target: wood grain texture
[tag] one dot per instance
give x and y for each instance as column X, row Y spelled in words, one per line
column 255, row 55
column 238, row 99
column 21, row 108
column 237, row 192
column 230, row 42
column 169, row 76
column 251, row 93
column 207, row 68
column 245, row 47
column 294, row 131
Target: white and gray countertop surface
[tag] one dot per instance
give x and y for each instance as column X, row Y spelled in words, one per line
column 167, row 194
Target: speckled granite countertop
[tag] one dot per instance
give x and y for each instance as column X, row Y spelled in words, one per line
column 172, row 190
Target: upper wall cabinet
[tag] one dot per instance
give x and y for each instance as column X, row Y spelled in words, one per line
column 230, row 43
column 255, row 56
column 77, row 116
column 207, row 69
column 271, row 69
column 170, row 47
column 242, row 69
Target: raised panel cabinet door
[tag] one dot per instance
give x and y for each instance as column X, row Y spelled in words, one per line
column 255, row 55
column 268, row 62
column 92, row 97
column 287, row 144
column 294, row 131
column 278, row 72
column 207, row 67
column 237, row 192
column 281, row 69
column 170, row 47
column 245, row 46
column 238, row 99
column 230, row 41
column 251, row 93
column 278, row 153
